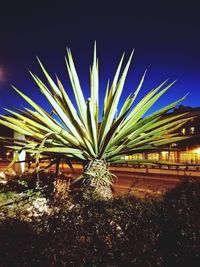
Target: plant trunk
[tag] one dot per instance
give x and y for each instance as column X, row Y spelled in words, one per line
column 97, row 180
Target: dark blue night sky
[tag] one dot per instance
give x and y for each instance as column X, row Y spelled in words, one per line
column 166, row 38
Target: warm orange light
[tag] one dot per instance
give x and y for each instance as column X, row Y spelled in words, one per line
column 164, row 153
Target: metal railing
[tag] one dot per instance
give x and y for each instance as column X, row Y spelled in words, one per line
column 186, row 167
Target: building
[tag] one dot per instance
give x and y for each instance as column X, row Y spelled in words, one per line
column 187, row 151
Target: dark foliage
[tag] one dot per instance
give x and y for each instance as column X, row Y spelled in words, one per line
column 180, row 225
column 20, row 244
column 124, row 231
column 30, row 181
column 121, row 232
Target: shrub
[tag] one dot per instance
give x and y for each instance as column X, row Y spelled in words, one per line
column 121, row 232
column 28, row 181
column 124, row 231
column 180, row 241
column 20, row 244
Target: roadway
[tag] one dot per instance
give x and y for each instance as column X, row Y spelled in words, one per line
column 136, row 180
column 141, row 181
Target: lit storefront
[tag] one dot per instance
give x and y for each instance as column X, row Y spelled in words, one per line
column 186, row 152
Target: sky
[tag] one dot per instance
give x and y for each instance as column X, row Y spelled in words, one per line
column 165, row 36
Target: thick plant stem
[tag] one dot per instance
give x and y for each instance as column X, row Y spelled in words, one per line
column 97, row 179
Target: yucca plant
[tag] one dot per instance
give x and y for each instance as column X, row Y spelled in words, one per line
column 78, row 130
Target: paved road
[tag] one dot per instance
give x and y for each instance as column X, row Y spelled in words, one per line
column 141, row 181
column 138, row 180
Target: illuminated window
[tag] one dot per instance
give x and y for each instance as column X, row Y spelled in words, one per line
column 164, row 155
column 137, row 156
column 192, row 130
column 183, row 157
column 153, row 156
column 183, row 131
column 173, row 145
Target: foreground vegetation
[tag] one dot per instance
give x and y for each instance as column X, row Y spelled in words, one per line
column 48, row 227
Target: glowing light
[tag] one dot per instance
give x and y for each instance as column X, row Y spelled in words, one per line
column 197, row 151
column 183, row 131
column 164, row 153
column 2, row 74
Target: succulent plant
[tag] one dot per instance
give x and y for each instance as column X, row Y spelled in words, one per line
column 78, row 130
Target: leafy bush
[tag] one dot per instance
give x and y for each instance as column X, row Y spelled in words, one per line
column 30, row 181
column 105, row 233
column 180, row 241
column 124, row 231
column 121, row 232
column 20, row 244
